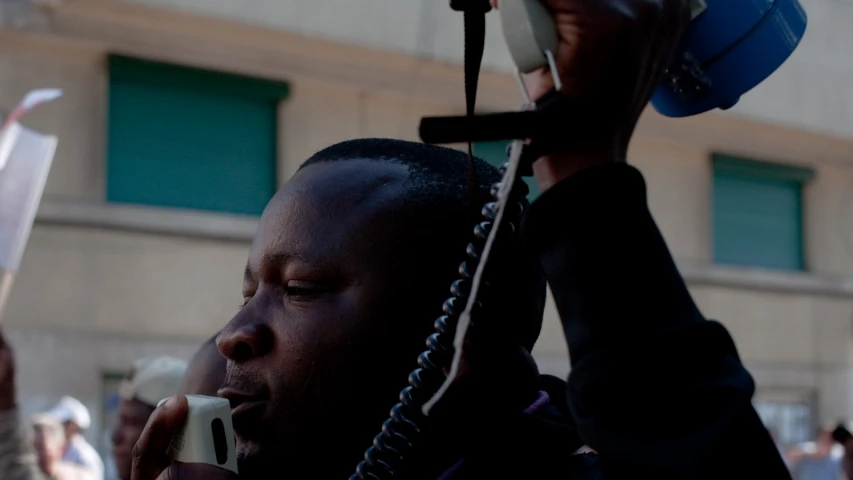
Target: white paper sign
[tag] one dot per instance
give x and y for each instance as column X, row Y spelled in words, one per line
column 30, row 101
column 25, row 160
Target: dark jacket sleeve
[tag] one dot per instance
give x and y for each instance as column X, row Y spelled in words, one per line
column 655, row 388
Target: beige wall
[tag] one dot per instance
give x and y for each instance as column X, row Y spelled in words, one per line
column 810, row 91
column 127, row 291
column 27, row 63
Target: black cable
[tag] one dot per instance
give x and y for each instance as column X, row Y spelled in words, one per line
column 401, row 430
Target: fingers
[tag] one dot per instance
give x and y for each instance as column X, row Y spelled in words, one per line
column 658, row 50
column 192, row 471
column 152, row 453
column 3, row 344
column 6, row 359
column 660, row 25
column 7, row 362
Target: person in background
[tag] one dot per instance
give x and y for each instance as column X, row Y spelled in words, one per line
column 18, row 459
column 205, row 372
column 49, row 444
column 75, row 419
column 774, row 434
column 150, row 380
column 816, row 461
column 847, row 455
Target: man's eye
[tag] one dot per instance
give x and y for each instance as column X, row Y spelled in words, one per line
column 298, row 289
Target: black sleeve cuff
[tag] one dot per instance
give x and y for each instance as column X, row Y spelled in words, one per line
column 606, row 262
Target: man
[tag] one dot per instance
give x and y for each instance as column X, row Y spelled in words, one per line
column 150, row 380
column 817, row 461
column 847, row 456
column 18, row 458
column 49, row 444
column 75, row 420
column 353, row 257
column 205, row 372
column 154, row 379
column 383, row 299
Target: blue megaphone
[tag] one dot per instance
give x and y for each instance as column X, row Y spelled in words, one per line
column 730, row 47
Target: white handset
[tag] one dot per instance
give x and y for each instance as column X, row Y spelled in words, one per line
column 529, row 31
column 208, row 435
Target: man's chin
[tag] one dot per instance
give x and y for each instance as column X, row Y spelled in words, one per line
column 257, row 462
column 246, row 449
column 250, row 460
column 123, row 468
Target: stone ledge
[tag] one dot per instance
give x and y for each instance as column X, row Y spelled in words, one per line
column 242, row 228
column 165, row 221
column 767, row 280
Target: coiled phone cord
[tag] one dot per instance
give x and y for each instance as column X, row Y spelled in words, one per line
column 399, row 432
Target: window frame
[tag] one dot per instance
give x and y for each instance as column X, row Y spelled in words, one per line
column 171, row 76
column 760, row 170
column 784, row 397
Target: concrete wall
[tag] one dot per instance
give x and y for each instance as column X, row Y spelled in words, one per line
column 811, row 91
column 101, row 285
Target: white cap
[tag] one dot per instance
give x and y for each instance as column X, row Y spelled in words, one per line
column 152, row 379
column 69, row 409
column 52, row 426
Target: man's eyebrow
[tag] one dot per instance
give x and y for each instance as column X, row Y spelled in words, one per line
column 273, row 259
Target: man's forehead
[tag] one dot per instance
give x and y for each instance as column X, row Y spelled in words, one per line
column 326, row 200
column 346, row 175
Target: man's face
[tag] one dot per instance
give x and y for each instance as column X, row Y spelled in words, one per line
column 71, row 429
column 324, row 342
column 132, row 417
column 47, row 447
column 825, row 441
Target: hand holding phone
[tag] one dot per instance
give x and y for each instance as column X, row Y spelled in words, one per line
column 167, row 431
column 208, row 435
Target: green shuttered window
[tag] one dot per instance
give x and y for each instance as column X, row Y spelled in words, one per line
column 188, row 138
column 758, row 213
column 495, row 154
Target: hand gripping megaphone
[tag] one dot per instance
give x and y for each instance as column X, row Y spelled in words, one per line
column 730, row 47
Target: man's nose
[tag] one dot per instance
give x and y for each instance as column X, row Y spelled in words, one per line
column 116, row 436
column 246, row 336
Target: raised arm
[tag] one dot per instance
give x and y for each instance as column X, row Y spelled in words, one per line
column 655, row 388
column 18, row 461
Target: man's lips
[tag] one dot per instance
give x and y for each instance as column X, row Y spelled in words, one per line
column 243, row 403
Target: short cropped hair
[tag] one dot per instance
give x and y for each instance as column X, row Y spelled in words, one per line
column 438, row 192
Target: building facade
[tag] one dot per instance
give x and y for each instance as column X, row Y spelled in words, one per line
column 139, row 250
